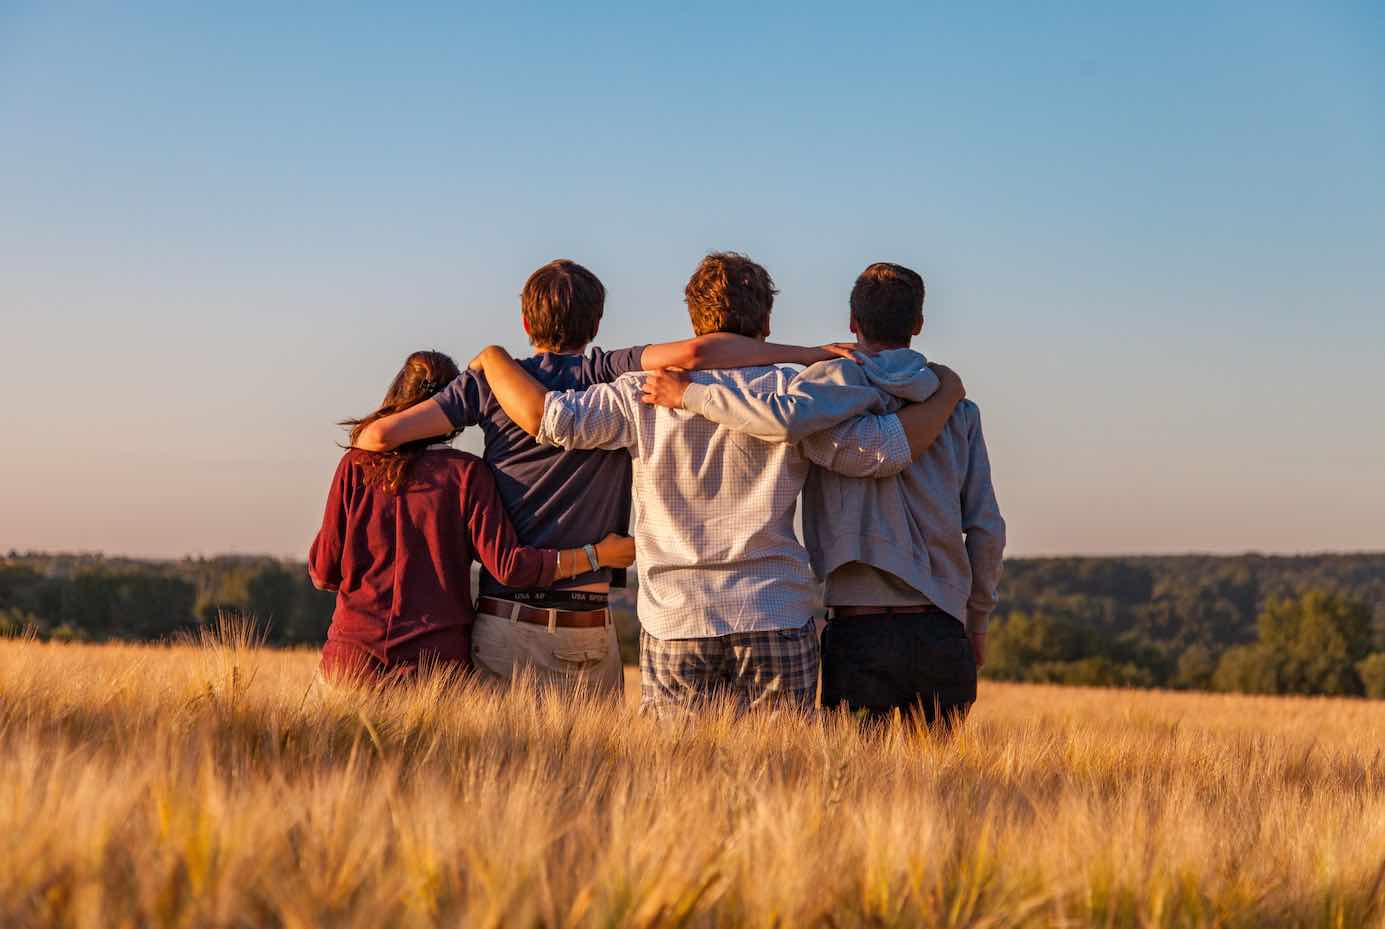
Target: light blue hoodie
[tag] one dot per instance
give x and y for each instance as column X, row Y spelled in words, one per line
column 934, row 529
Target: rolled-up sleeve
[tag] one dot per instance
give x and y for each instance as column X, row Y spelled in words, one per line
column 865, row 447
column 598, row 417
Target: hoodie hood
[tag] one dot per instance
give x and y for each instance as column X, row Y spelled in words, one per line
column 900, row 372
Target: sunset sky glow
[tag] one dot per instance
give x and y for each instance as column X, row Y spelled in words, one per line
column 1154, row 242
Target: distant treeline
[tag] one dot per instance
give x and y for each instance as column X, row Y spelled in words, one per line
column 93, row 598
column 1313, row 624
column 1309, row 624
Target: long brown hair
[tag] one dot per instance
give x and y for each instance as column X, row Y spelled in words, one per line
column 423, row 375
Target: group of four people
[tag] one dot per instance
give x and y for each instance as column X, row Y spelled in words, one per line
column 717, row 443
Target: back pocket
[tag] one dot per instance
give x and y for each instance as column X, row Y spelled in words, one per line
column 576, row 660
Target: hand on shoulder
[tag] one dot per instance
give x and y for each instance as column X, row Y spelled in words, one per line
column 847, row 350
column 487, row 354
column 665, row 387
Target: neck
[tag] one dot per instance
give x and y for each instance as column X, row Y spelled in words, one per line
column 875, row 348
column 559, row 351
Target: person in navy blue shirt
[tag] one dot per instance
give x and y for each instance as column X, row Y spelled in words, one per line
column 562, row 633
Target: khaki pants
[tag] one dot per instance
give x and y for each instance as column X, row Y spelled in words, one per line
column 502, row 648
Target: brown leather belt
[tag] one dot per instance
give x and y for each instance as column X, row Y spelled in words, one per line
column 842, row 612
column 566, row 619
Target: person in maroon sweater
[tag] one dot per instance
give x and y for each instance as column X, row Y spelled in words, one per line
column 400, row 533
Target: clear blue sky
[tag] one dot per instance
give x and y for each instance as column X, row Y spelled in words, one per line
column 1154, row 242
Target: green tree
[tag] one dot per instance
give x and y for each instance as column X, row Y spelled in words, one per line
column 1315, row 641
column 1371, row 670
column 1021, row 643
column 18, row 585
column 1246, row 669
column 1195, row 668
column 153, row 606
column 273, row 596
column 311, row 616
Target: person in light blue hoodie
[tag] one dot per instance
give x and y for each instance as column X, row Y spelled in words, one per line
column 911, row 562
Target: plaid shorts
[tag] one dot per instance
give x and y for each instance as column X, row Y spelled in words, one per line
column 752, row 669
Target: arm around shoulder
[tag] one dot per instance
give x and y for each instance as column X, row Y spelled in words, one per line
column 924, row 422
column 600, row 417
column 728, row 350
column 423, row 421
column 519, row 395
column 817, row 399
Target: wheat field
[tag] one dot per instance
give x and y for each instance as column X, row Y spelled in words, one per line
column 221, row 785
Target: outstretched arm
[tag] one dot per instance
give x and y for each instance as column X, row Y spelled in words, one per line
column 868, row 447
column 601, row 416
column 882, row 446
column 727, row 350
column 422, row 421
column 598, row 417
column 455, row 408
column 841, row 439
column 808, row 407
column 862, row 447
column 815, row 400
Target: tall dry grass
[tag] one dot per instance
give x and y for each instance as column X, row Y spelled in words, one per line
column 221, row 786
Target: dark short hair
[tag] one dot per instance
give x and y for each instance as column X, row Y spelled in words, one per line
column 562, row 304
column 887, row 303
column 730, row 293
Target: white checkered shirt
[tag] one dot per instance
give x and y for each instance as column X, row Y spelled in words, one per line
column 714, row 509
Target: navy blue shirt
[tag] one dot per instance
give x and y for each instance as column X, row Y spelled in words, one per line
column 555, row 498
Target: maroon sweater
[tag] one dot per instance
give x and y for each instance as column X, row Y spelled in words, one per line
column 401, row 562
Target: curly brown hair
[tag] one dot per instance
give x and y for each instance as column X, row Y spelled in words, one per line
column 887, row 304
column 562, row 304
column 730, row 293
column 424, row 374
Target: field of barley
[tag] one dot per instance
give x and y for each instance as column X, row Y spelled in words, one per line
column 221, row 785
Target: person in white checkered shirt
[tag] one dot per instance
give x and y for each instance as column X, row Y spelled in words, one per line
column 726, row 589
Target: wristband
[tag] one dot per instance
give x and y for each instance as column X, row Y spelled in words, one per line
column 591, row 557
